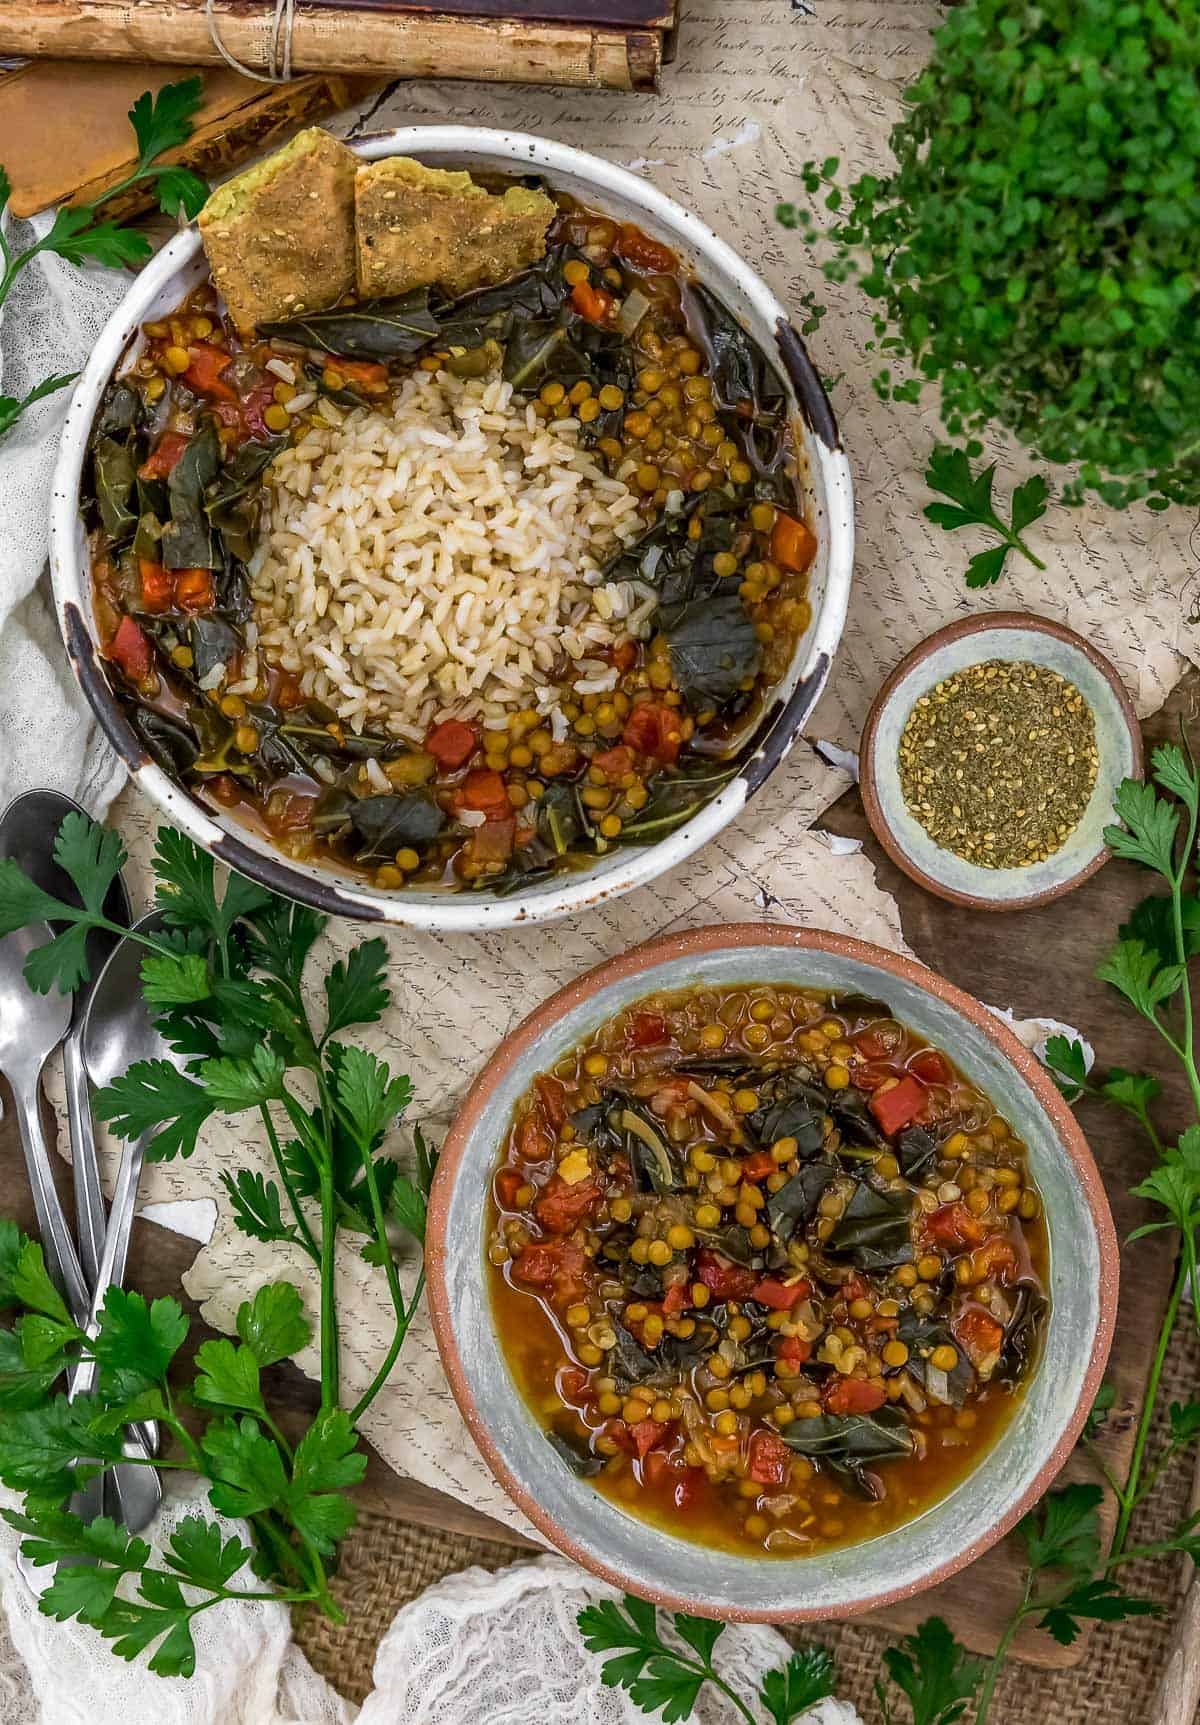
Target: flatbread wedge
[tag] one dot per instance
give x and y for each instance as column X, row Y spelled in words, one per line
column 425, row 227
column 280, row 237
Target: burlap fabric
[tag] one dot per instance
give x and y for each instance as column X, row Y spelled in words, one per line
column 387, row 1562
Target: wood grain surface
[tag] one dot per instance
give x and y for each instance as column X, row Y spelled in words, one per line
column 1037, row 962
column 366, row 42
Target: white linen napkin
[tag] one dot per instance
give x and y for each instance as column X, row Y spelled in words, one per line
column 48, row 326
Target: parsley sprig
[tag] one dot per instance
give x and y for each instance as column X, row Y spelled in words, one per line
column 226, row 980
column 660, row 1678
column 80, row 232
column 949, row 472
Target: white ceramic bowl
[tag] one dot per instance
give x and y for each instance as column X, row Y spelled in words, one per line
column 825, row 476
column 1008, row 1479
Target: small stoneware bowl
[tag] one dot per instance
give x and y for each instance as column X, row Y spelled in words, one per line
column 1031, row 1449
column 823, row 473
column 1010, row 635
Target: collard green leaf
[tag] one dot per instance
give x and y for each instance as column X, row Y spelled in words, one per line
column 850, row 1444
column 113, row 476
column 380, row 329
column 187, row 539
column 874, row 1229
column 714, row 650
column 921, row 1336
column 385, row 824
column 577, row 1456
column 538, row 351
column 796, row 1202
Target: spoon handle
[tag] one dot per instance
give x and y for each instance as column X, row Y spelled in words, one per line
column 62, row 1260
column 90, row 1219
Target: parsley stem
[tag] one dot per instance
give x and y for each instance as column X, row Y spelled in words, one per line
column 1099, row 1463
column 310, row 1244
column 1128, row 1497
column 389, row 1360
column 720, row 1683
column 328, row 1266
column 992, row 1673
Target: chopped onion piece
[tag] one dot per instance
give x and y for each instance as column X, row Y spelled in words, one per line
column 633, row 310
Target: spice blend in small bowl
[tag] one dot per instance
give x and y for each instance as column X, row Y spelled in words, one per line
column 998, row 762
column 990, row 758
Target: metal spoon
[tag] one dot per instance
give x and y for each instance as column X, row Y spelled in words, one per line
column 31, row 1028
column 27, row 828
column 117, row 1032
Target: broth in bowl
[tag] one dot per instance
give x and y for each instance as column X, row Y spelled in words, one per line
column 769, row 1270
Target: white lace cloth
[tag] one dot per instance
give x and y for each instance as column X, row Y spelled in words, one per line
column 47, row 327
column 476, row 1649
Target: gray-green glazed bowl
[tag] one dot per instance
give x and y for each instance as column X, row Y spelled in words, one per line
column 1010, row 1478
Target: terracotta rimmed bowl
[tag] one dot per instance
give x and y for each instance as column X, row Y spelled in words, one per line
column 1007, row 635
column 1032, row 1448
column 823, row 472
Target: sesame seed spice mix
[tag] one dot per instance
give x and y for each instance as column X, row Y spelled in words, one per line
column 998, row 762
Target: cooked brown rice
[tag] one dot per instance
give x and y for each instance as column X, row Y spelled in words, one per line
column 442, row 558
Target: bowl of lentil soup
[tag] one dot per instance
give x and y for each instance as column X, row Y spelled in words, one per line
column 990, row 759
column 685, row 1224
column 646, row 783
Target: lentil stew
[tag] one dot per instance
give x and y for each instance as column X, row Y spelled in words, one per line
column 769, row 1270
column 607, row 335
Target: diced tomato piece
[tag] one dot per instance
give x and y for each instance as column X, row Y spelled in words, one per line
column 954, row 1227
column 562, row 1206
column 855, row 1287
column 930, row 1067
column 365, row 373
column 130, row 649
column 758, row 1166
column 870, row 1074
column 203, row 375
column 770, row 1459
column 672, row 1096
column 793, row 1352
column 652, row 728
column 508, row 1183
column 792, row 544
column 648, row 1433
column 644, row 253
column 452, row 743
column 898, row 1107
column 158, row 585
column 676, row 1300
column 483, row 792
column 194, row 589
column 854, row 1396
column 534, row 1140
column 163, row 456
column 615, row 764
column 493, row 842
column 571, row 1382
column 553, row 1265
column 780, row 1296
column 647, row 1030
column 552, row 1094
column 727, row 1281
column 592, row 303
column 978, row 1334
column 872, row 1045
column 623, row 655
column 688, row 1487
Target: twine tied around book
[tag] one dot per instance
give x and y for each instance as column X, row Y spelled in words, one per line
column 280, row 61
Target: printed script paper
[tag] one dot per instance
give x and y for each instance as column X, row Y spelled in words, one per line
column 758, row 87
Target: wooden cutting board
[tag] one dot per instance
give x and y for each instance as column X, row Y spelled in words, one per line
column 1035, row 961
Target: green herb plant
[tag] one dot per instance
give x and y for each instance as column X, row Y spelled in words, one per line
column 1071, row 1574
column 226, row 982
column 1032, row 252
column 81, row 231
